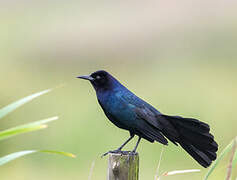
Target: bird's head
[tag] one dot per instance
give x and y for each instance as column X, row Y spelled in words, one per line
column 101, row 80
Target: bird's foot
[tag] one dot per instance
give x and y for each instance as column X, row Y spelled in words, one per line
column 115, row 151
column 118, row 151
column 132, row 152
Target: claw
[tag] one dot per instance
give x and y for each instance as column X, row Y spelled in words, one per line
column 115, row 151
column 105, row 154
column 132, row 153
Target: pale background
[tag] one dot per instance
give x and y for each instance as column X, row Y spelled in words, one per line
column 180, row 56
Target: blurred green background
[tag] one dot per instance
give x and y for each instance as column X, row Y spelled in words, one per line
column 179, row 56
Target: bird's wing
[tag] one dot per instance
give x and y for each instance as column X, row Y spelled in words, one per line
column 143, row 110
column 146, row 124
column 149, row 116
column 152, row 116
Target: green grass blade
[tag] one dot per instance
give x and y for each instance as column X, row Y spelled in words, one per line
column 13, row 156
column 25, row 128
column 230, row 167
column 223, row 153
column 10, row 157
column 235, row 160
column 234, row 163
column 11, row 107
column 58, row 152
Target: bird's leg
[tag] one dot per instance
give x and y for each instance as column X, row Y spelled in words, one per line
column 135, row 148
column 133, row 152
column 129, row 139
column 120, row 148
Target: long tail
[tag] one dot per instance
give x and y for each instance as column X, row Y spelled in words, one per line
column 193, row 135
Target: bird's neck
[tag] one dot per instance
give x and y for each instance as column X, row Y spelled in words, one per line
column 105, row 93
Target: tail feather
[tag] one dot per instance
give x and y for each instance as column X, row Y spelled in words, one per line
column 210, row 154
column 194, row 137
column 206, row 138
column 190, row 123
column 200, row 145
column 198, row 155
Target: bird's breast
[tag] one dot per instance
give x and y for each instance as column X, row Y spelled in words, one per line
column 118, row 111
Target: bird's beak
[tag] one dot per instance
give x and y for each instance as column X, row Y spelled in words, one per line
column 86, row 77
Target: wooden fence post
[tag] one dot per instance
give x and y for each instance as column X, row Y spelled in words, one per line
column 123, row 166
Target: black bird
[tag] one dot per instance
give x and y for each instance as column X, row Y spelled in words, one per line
column 129, row 112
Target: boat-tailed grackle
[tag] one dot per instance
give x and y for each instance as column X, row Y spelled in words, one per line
column 129, row 112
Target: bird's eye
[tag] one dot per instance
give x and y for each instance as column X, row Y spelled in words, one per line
column 98, row 77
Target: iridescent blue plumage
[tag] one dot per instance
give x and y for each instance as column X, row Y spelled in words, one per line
column 129, row 112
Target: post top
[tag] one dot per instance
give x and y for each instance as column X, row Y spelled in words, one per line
column 124, row 153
